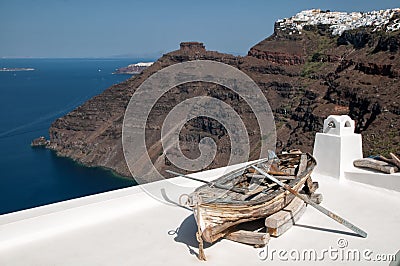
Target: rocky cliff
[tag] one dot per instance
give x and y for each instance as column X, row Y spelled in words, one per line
column 305, row 75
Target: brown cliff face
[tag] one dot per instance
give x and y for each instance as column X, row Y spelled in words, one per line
column 304, row 77
column 276, row 57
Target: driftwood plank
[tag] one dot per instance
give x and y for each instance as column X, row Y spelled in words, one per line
column 394, row 160
column 376, row 165
column 286, row 214
column 248, row 237
column 286, row 226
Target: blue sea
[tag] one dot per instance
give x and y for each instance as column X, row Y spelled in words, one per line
column 29, row 102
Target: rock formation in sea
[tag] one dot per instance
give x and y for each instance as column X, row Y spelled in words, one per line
column 307, row 71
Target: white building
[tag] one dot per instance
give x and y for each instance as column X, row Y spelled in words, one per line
column 341, row 21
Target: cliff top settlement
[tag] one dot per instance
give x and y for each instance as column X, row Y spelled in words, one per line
column 388, row 20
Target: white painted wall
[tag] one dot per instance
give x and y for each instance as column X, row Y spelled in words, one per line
column 337, row 147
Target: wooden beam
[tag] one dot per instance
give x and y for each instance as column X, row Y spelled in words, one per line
column 394, row 160
column 278, row 231
column 286, row 214
column 382, row 166
column 258, row 239
column 314, row 197
column 284, row 172
column 302, row 165
column 300, row 169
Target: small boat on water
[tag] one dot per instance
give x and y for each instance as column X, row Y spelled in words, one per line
column 245, row 195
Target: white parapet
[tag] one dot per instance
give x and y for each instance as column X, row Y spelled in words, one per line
column 337, row 147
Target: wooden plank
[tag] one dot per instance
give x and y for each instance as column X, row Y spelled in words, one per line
column 286, row 214
column 300, row 169
column 285, row 177
column 286, row 226
column 253, row 191
column 394, row 160
column 284, row 172
column 314, row 197
column 295, row 151
column 258, row 239
column 302, row 165
column 251, row 194
column 376, row 165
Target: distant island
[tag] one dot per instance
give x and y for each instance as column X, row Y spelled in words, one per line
column 12, row 69
column 133, row 69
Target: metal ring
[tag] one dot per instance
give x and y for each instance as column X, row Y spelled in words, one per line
column 188, row 201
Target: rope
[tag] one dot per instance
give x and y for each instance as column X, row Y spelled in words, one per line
column 202, row 255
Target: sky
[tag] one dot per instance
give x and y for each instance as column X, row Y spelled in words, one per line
column 133, row 28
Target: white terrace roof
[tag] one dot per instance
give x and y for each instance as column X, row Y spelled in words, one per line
column 128, row 227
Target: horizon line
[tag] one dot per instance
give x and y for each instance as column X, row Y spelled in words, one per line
column 73, row 57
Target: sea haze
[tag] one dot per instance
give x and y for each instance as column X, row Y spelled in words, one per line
column 29, row 102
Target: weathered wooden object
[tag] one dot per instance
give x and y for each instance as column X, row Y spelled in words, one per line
column 258, row 239
column 376, row 165
column 315, row 197
column 285, row 215
column 328, row 213
column 285, row 172
column 293, row 218
column 302, row 165
column 284, row 177
column 310, row 189
column 222, row 209
column 309, row 183
column 394, row 160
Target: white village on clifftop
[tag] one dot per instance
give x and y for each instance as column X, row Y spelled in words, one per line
column 341, row 21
